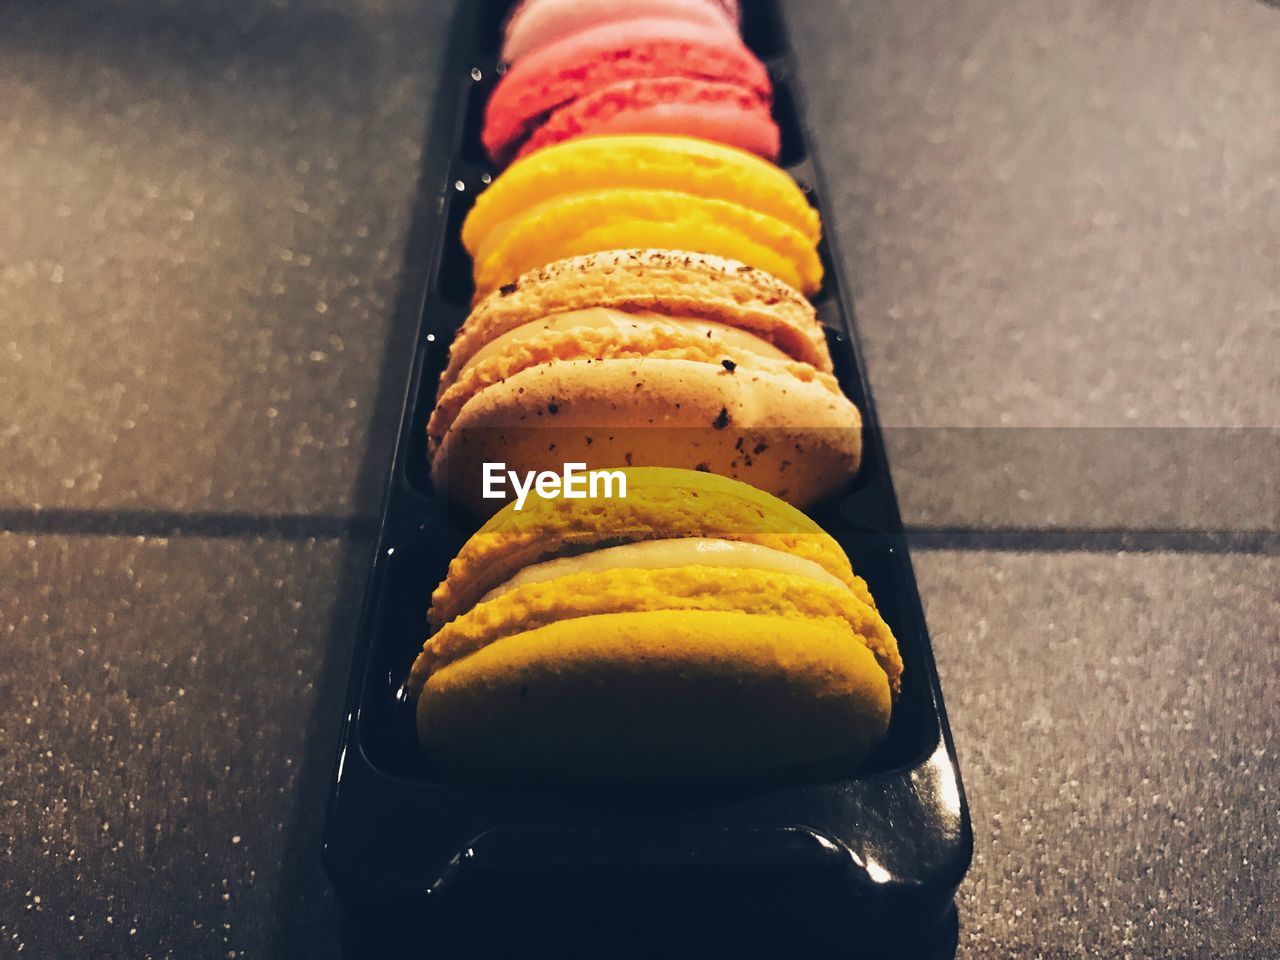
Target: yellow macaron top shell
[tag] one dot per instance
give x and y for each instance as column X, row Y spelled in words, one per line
column 601, row 193
column 661, row 503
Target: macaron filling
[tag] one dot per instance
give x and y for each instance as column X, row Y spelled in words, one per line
column 622, row 323
column 601, row 335
column 722, row 112
column 663, row 554
column 739, row 589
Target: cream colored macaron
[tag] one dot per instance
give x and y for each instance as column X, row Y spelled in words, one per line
column 645, row 358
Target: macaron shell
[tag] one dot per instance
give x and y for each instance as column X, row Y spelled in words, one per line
column 661, row 503
column 583, row 62
column 676, row 282
column 684, row 165
column 794, row 439
column 724, row 695
column 536, row 23
column 722, row 112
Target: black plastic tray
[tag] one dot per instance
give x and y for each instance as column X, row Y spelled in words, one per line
column 869, row 863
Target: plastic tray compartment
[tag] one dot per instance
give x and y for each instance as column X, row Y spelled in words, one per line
column 870, row 862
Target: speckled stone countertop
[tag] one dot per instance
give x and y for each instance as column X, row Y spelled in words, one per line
column 1061, row 224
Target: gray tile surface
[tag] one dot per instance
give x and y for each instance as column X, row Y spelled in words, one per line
column 1103, row 478
column 1118, row 721
column 1064, row 216
column 1056, row 214
column 163, row 698
column 168, row 715
column 206, row 212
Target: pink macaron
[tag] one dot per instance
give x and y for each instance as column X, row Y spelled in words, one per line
column 535, row 23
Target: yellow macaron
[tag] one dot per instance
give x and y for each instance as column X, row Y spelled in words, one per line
column 614, row 192
column 694, row 628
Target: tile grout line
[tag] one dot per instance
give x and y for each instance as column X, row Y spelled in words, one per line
column 1084, row 540
column 162, row 523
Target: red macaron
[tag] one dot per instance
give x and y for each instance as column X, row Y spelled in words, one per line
column 638, row 76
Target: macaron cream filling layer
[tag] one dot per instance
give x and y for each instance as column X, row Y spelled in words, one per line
column 605, row 334
column 662, row 554
column 620, row 322
column 787, row 597
column 782, row 596
column 724, row 112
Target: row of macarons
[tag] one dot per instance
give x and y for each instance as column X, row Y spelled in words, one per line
column 642, row 272
column 641, row 269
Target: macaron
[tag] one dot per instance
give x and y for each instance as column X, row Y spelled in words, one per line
column 695, row 628
column 635, row 191
column 646, row 358
column 535, row 23
column 645, row 75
